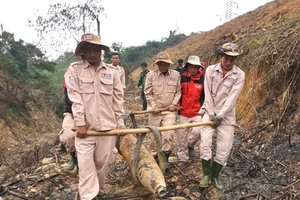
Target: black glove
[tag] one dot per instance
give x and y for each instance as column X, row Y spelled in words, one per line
column 216, row 121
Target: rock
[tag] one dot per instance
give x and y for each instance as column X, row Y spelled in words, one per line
column 178, row 187
column 186, row 191
column 48, row 167
column 173, row 159
column 174, row 179
column 46, row 161
column 197, row 194
column 177, row 198
column 46, row 176
column 33, row 190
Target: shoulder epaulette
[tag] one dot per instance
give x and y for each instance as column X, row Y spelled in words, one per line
column 73, row 64
column 151, row 72
column 111, row 66
column 175, row 71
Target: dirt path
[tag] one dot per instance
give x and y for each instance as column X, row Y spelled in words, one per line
column 255, row 170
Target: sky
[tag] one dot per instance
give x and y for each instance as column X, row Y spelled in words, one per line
column 131, row 22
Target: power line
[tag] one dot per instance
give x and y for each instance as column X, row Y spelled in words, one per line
column 228, row 12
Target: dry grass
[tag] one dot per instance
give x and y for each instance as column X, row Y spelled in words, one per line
column 270, row 38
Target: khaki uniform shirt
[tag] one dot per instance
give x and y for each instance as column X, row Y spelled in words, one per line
column 97, row 96
column 221, row 93
column 121, row 72
column 162, row 90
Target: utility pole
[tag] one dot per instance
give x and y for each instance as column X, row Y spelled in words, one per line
column 228, row 12
column 177, row 27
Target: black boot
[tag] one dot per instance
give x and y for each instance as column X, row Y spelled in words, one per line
column 191, row 152
column 215, row 169
column 167, row 154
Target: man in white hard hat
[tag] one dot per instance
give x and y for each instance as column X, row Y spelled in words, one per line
column 192, row 89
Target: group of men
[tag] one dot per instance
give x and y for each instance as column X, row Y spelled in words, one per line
column 96, row 92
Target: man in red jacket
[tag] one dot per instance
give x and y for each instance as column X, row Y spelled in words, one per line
column 192, row 87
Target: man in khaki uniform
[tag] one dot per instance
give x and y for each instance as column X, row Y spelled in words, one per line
column 162, row 89
column 115, row 59
column 97, row 95
column 222, row 85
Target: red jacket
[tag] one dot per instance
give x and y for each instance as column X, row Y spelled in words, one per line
column 192, row 94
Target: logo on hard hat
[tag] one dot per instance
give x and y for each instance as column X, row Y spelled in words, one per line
column 163, row 56
column 87, row 37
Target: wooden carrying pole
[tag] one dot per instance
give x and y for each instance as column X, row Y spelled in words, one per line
column 145, row 130
column 152, row 110
column 148, row 111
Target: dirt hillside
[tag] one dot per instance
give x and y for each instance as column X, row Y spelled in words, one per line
column 264, row 163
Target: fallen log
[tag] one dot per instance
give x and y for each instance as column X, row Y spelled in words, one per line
column 146, row 170
column 123, row 132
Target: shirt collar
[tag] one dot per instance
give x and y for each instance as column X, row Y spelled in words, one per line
column 86, row 64
column 168, row 72
column 233, row 70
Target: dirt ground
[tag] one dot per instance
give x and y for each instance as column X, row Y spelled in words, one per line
column 254, row 171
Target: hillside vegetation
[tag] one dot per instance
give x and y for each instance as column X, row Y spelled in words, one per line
column 269, row 37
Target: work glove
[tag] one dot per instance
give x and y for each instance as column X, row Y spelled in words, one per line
column 216, row 120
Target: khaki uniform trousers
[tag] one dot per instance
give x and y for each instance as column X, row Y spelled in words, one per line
column 94, row 154
column 225, row 135
column 185, row 139
column 67, row 135
column 165, row 118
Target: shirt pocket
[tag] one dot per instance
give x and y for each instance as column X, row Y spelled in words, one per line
column 157, row 87
column 227, row 86
column 171, row 87
column 106, row 86
column 86, row 85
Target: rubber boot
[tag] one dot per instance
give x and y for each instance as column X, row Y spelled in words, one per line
column 167, row 154
column 191, row 152
column 206, row 180
column 215, row 169
column 73, row 161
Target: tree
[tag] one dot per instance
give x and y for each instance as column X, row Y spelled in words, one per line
column 23, row 63
column 66, row 21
